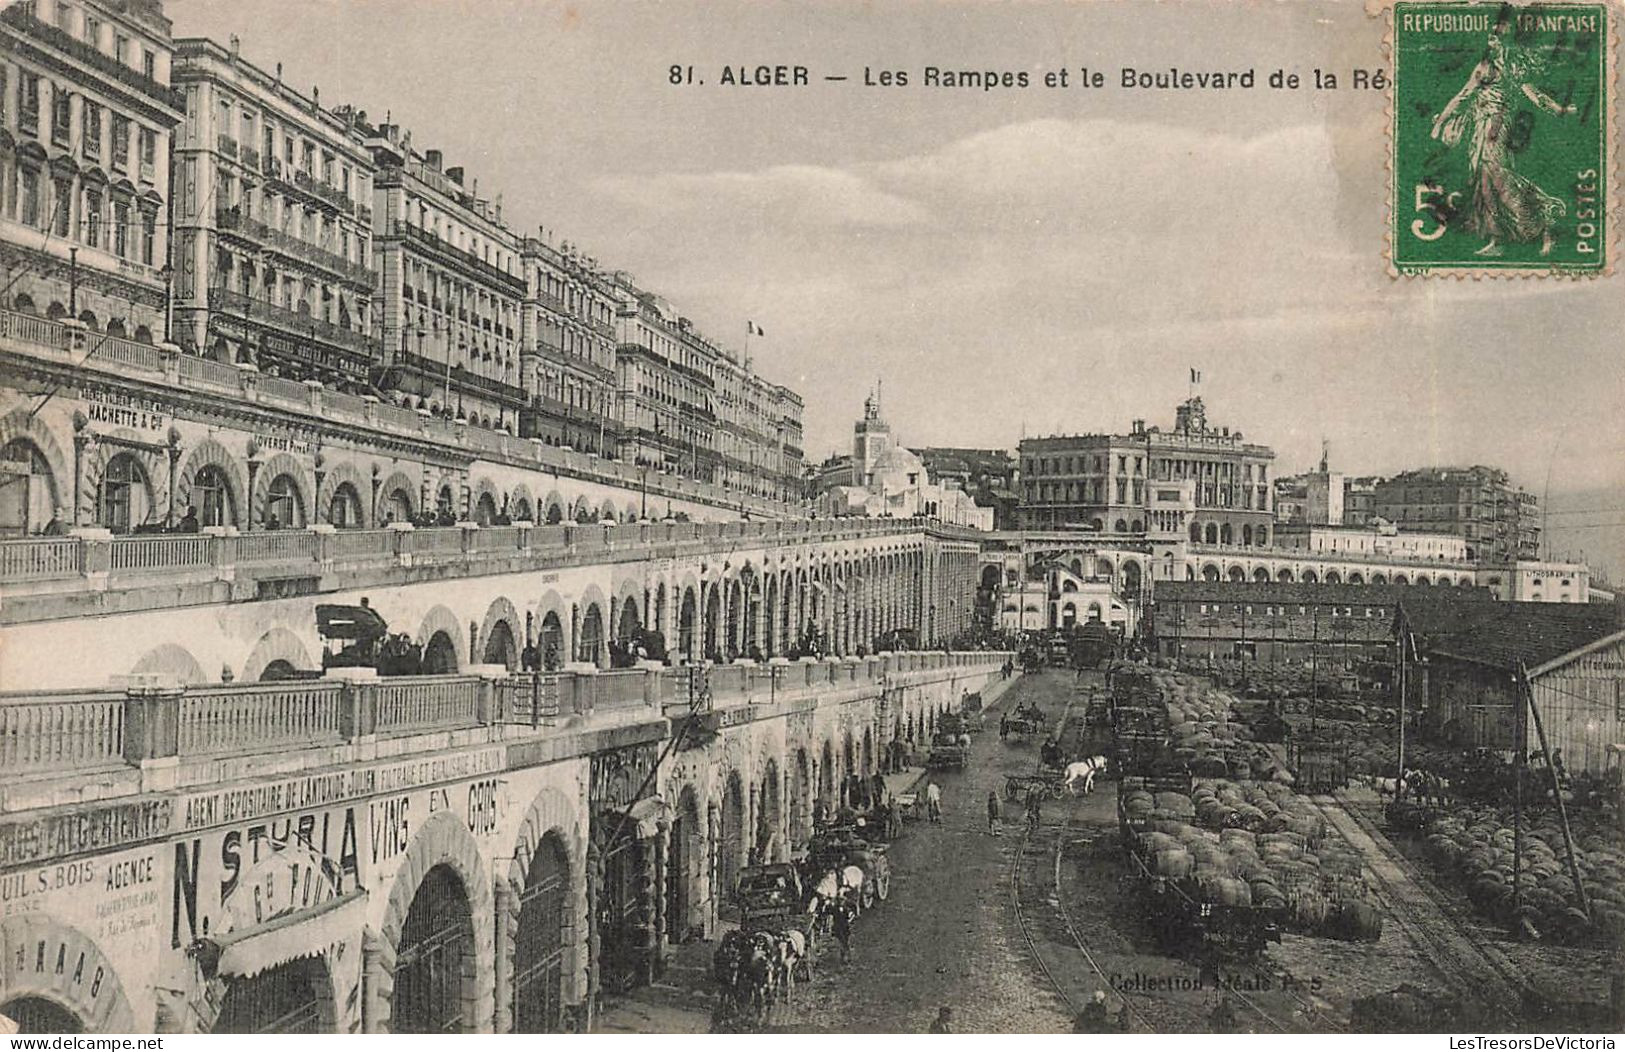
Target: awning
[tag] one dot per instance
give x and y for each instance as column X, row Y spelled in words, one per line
column 306, row 933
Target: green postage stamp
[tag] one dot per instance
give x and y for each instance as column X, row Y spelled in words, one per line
column 1502, row 125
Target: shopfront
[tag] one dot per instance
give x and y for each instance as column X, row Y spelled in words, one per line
column 629, row 830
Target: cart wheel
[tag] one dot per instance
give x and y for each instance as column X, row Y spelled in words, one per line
column 883, row 884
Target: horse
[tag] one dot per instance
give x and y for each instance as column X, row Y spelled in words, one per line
column 1080, row 776
column 1386, row 786
column 835, row 886
column 745, row 967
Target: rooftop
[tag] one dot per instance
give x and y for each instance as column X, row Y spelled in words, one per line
column 1503, row 635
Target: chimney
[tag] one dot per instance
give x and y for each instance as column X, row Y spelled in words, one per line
column 236, row 47
column 432, row 158
column 455, row 175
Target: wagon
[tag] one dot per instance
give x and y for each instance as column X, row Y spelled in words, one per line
column 1050, row 784
column 838, row 847
column 772, row 898
column 1184, row 923
column 947, row 754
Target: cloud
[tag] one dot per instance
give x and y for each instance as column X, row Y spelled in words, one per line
column 790, row 197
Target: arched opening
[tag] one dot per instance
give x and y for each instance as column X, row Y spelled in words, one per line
column 769, row 845
column 1310, row 577
column 1211, row 533
column 684, row 867
column 41, row 1015
column 713, row 624
column 125, row 499
column 28, row 496
column 592, row 634
column 1378, row 578
column 1333, row 577
column 731, row 841
column 1133, row 581
column 521, row 510
column 445, row 507
column 1246, row 534
column 398, row 506
column 1094, row 612
column 1196, row 533
column 1103, row 568
column 827, row 776
column 551, row 641
column 1137, row 526
column 500, row 648
column 1261, row 575
column 800, row 802
column 283, row 505
column 541, row 939
column 485, row 510
column 434, row 964
column 440, row 656
column 212, row 497
column 1120, row 526
column 1356, row 578
column 555, row 514
column 1069, row 615
column 280, row 668
column 1284, row 576
column 685, row 624
column 629, row 624
column 344, row 510
column 1423, row 582
column 292, row 998
column 1225, row 534
column 1210, row 572
column 1399, row 578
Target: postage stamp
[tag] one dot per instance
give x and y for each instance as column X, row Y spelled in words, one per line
column 1502, row 122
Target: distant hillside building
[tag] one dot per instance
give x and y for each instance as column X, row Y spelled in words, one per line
column 889, row 480
column 1500, row 522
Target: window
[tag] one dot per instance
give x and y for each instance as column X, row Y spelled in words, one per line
column 121, row 48
column 121, row 142
column 149, row 237
column 93, row 218
column 149, row 149
column 211, row 495
column 64, row 17
column 309, row 158
column 28, row 103
column 61, row 115
column 121, row 223
column 93, row 31
column 149, row 64
column 92, row 130
column 28, row 197
column 61, row 210
column 123, row 494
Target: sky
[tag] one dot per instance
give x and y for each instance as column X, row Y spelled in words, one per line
column 1009, row 262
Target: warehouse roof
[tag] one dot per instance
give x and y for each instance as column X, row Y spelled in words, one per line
column 1306, row 594
column 1504, row 635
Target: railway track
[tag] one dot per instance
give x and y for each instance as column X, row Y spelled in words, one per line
column 1479, row 977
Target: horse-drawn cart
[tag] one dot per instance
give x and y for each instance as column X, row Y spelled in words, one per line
column 1047, row 783
column 837, row 848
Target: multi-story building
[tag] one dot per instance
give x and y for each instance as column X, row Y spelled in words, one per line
column 568, row 351
column 758, row 431
column 667, row 374
column 1101, row 481
column 452, row 287
column 273, row 224
column 1359, row 500
column 1499, row 521
column 1381, row 540
column 988, row 475
column 86, row 117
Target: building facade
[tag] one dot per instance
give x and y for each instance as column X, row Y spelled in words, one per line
column 273, row 225
column 1101, row 481
column 87, row 113
column 668, row 383
column 1479, row 504
column 452, row 288
column 888, row 480
column 1380, row 540
column 567, row 353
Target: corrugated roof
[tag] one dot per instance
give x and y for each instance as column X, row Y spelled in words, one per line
column 1307, row 594
column 1503, row 635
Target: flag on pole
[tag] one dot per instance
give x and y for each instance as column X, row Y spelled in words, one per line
column 1196, row 376
column 753, row 329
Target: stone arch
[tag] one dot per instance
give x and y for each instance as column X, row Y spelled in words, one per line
column 1399, row 578
column 606, row 510
column 1310, row 577
column 205, row 454
column 270, row 471
column 1285, row 575
column 95, row 465
column 521, row 504
column 88, row 984
column 442, row 840
column 1333, row 577
column 1378, row 578
column 18, row 424
column 397, row 482
column 553, row 509
column 502, row 612
column 277, row 644
column 440, row 619
column 1261, row 575
column 345, row 471
column 171, row 659
column 1356, row 578
column 485, row 502
column 1210, row 572
column 769, row 842
column 580, row 509
column 549, row 812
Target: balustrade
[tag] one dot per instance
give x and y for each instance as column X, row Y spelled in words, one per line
column 61, row 731
column 239, row 719
column 422, row 703
column 41, row 558
column 275, row 546
column 169, row 552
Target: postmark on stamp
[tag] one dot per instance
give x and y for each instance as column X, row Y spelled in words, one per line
column 1502, row 117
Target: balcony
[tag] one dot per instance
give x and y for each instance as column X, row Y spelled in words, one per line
column 466, row 261
column 20, row 18
column 252, row 310
column 278, row 243
column 226, row 145
column 251, row 158
column 460, row 377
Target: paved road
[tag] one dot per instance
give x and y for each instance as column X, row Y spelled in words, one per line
column 948, row 934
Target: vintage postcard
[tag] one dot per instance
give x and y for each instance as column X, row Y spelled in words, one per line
column 811, row 517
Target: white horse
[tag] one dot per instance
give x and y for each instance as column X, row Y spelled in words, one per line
column 1080, row 776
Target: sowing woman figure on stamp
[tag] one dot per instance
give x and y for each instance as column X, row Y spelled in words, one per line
column 1505, row 205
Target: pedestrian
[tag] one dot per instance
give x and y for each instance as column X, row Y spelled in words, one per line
column 879, row 791
column 942, row 1024
column 1034, row 813
column 1223, row 1020
column 1093, row 1019
column 1004, row 728
column 56, row 527
column 189, row 523
column 841, row 928
column 995, row 813
column 933, row 802
column 894, row 818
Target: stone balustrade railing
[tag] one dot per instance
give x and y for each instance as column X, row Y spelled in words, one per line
column 105, row 558
column 1410, row 560
column 64, row 732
